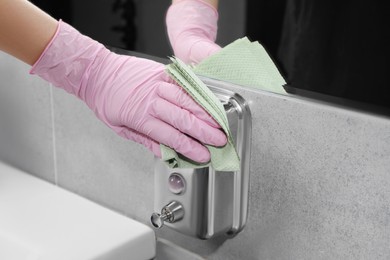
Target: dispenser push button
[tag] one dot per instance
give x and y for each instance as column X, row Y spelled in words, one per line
column 176, row 183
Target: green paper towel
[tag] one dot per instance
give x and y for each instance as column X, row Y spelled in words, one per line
column 244, row 63
column 222, row 158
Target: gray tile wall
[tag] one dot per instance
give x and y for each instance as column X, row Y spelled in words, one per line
column 26, row 139
column 320, row 175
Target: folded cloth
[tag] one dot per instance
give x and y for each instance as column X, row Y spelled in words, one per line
column 244, row 63
column 222, row 158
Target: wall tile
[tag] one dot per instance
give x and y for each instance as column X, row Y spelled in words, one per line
column 166, row 250
column 96, row 163
column 25, row 119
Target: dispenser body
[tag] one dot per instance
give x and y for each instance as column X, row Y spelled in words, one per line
column 213, row 202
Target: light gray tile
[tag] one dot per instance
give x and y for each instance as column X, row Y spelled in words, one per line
column 166, row 250
column 323, row 187
column 25, row 119
column 95, row 162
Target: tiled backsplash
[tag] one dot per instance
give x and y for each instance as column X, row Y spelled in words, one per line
column 26, row 132
column 320, row 175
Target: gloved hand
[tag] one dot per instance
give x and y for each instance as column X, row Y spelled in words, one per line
column 192, row 30
column 133, row 96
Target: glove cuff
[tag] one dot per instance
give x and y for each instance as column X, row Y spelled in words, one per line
column 67, row 58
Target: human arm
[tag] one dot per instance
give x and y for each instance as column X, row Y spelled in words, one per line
column 192, row 29
column 25, row 30
column 133, row 96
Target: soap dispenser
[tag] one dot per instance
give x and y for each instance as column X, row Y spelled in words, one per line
column 205, row 203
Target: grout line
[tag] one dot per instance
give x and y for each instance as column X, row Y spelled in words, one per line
column 54, row 135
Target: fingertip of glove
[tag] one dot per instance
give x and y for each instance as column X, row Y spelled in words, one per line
column 195, row 152
column 220, row 139
column 203, row 156
column 35, row 67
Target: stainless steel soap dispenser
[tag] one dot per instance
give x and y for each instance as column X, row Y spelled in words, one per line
column 205, row 203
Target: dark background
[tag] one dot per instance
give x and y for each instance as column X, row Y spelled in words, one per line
column 254, row 26
column 140, row 26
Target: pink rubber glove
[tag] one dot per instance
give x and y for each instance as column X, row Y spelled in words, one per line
column 133, row 96
column 192, row 30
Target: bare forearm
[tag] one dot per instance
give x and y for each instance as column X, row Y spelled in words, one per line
column 25, row 30
column 212, row 2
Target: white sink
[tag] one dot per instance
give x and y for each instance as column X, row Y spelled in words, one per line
column 12, row 249
column 40, row 221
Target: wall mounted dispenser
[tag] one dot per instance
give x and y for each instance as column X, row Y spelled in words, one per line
column 205, row 203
